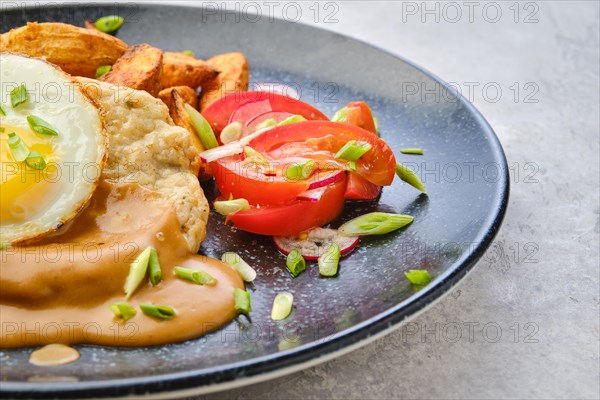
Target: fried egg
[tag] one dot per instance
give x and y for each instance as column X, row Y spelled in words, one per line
column 36, row 199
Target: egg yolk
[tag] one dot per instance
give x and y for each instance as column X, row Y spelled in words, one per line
column 25, row 191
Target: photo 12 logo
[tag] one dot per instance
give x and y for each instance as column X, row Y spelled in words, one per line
column 453, row 12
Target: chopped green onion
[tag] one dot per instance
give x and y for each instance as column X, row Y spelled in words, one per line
column 2, row 111
column 188, row 53
column 418, row 277
column 352, row 165
column 154, row 268
column 255, row 156
column 410, row 177
column 300, row 170
column 227, row 207
column 376, row 122
column 353, row 150
column 196, row 276
column 329, row 260
column 242, row 301
column 40, row 126
column 137, row 271
column 292, row 120
column 246, row 271
column 282, row 306
column 162, row 312
column 295, row 263
column 102, row 70
column 35, row 160
column 268, row 123
column 109, row 24
column 412, row 150
column 18, row 148
column 18, row 96
column 232, row 132
column 375, row 223
column 123, row 310
column 340, row 115
column 202, row 127
column 1, row 129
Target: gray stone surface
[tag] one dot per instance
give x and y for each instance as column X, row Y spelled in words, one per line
column 539, row 286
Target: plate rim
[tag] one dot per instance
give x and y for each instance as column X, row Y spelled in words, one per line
column 259, row 369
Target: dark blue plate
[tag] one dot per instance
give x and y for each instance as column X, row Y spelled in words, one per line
column 464, row 169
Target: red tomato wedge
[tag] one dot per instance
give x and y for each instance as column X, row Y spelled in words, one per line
column 320, row 140
column 219, row 113
column 294, row 218
column 359, row 114
column 358, row 188
column 236, row 178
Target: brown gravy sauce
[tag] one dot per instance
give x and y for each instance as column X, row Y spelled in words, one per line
column 59, row 290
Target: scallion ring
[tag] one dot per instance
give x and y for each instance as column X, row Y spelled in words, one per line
column 39, row 125
column 282, row 306
column 227, row 207
column 109, row 24
column 247, row 273
column 162, row 312
column 375, row 223
column 123, row 310
column 353, row 150
column 300, row 170
column 18, row 148
column 202, row 127
column 410, row 177
column 329, row 260
column 242, row 301
column 194, row 275
column 35, row 160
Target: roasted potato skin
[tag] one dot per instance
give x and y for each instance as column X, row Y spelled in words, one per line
column 77, row 51
column 233, row 77
column 139, row 68
column 175, row 98
column 180, row 69
column 187, row 93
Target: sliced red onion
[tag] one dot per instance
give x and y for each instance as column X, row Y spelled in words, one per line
column 313, row 194
column 325, row 178
column 313, row 243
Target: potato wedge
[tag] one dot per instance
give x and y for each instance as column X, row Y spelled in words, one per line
column 175, row 99
column 187, row 93
column 78, row 51
column 233, row 77
column 183, row 70
column 139, row 68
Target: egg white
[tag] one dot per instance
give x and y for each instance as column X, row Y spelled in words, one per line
column 79, row 149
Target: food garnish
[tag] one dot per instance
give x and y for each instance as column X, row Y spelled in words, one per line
column 329, row 260
column 109, row 24
column 18, row 148
column 418, row 277
column 40, row 126
column 227, row 207
column 154, row 268
column 35, row 160
column 102, row 70
column 242, row 301
column 375, row 223
column 123, row 310
column 282, row 306
column 202, row 127
column 137, row 271
column 295, row 263
column 19, row 95
column 412, row 150
column 410, row 177
column 246, row 271
column 196, row 276
column 161, row 312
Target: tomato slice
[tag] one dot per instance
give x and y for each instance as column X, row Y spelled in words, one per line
column 239, row 179
column 219, row 113
column 358, row 188
column 294, row 218
column 320, row 140
column 359, row 114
